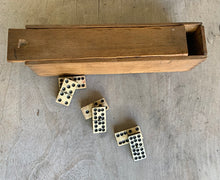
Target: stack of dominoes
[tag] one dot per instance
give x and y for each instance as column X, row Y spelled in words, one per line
column 67, row 86
column 132, row 136
column 97, row 111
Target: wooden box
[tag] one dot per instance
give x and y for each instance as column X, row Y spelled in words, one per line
column 108, row 49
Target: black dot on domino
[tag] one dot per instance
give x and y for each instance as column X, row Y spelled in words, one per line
column 96, row 130
column 143, row 156
column 130, row 131
column 74, row 79
column 96, row 103
column 120, row 142
column 135, row 158
column 98, row 110
column 96, row 126
column 95, row 122
column 117, row 135
column 73, row 85
column 61, row 94
column 121, row 134
column 103, row 122
column 68, row 97
column 95, row 117
column 102, row 114
column 70, row 91
column 66, row 102
column 63, row 88
column 125, row 132
column 137, row 129
column 68, row 86
column 102, row 101
column 103, row 126
column 100, row 123
column 95, row 113
column 103, row 129
column 66, row 81
column 87, row 111
column 59, row 100
column 61, row 80
column 82, row 78
column 83, row 85
column 78, row 78
column 78, row 85
column 100, row 129
column 100, row 105
column 126, row 140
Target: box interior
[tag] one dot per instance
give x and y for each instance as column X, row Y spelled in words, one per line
column 195, row 41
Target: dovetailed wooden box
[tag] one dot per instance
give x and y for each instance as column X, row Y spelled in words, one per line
column 108, row 49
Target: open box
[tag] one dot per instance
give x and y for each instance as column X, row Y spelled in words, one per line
column 164, row 50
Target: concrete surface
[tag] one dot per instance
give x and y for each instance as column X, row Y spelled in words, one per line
column 179, row 113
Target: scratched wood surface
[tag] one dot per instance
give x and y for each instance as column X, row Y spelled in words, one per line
column 179, row 113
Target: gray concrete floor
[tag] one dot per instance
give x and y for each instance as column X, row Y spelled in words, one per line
column 179, row 113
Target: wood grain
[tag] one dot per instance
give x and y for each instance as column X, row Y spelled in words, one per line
column 74, row 44
column 112, row 66
column 189, row 26
column 107, row 56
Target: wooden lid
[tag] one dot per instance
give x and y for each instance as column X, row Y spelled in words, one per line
column 96, row 43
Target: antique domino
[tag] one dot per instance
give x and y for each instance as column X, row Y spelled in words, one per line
column 87, row 110
column 66, row 92
column 81, row 81
column 101, row 103
column 99, row 119
column 122, row 136
column 137, row 146
column 138, row 153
